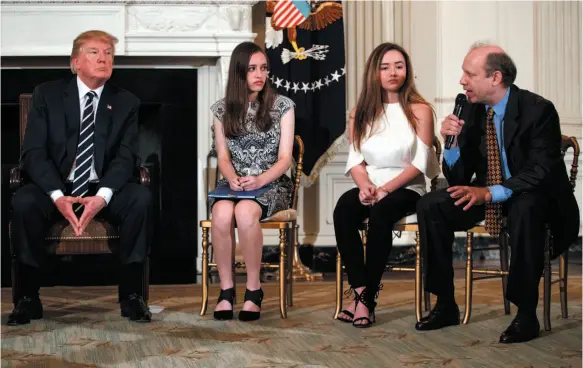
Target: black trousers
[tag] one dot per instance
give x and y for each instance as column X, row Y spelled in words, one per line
column 526, row 213
column 33, row 212
column 348, row 216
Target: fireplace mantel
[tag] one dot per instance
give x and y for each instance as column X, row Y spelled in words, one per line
column 144, row 28
column 207, row 31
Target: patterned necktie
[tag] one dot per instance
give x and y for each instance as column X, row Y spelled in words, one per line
column 493, row 210
column 84, row 158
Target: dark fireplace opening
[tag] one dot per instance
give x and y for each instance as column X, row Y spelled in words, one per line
column 167, row 138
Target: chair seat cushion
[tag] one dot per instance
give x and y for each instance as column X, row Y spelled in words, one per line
column 285, row 215
column 407, row 220
column 99, row 237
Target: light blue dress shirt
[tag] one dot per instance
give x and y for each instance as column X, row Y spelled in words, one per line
column 450, row 156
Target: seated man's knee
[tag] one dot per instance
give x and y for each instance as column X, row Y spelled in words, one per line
column 141, row 196
column 429, row 200
column 24, row 201
column 525, row 204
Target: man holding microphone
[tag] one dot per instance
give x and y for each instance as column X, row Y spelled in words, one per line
column 505, row 161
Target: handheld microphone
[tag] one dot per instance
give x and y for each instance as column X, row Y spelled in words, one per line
column 460, row 100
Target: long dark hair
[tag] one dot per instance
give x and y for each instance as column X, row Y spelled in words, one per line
column 237, row 94
column 370, row 107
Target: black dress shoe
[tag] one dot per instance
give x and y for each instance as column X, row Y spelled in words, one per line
column 439, row 317
column 26, row 309
column 136, row 309
column 522, row 329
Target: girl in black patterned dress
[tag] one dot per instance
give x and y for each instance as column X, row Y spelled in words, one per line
column 254, row 132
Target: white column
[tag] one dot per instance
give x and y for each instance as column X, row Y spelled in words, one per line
column 558, row 68
column 558, row 60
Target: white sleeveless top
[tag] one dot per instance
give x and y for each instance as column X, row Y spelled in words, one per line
column 391, row 148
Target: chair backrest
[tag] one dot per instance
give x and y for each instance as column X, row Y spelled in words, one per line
column 566, row 143
column 25, row 101
column 437, row 146
column 296, row 171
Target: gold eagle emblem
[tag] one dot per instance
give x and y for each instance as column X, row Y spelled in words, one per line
column 322, row 13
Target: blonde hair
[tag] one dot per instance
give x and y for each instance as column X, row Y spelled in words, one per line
column 93, row 35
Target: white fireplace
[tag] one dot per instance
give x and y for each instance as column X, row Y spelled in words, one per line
column 185, row 34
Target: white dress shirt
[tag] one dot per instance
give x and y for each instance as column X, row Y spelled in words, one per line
column 392, row 147
column 106, row 193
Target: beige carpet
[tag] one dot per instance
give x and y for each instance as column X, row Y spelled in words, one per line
column 82, row 328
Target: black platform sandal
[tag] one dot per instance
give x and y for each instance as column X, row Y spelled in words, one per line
column 228, row 295
column 255, row 296
column 368, row 299
column 347, row 312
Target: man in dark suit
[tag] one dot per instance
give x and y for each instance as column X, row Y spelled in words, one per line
column 510, row 140
column 79, row 154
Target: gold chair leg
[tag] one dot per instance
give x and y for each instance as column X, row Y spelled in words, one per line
column 547, row 282
column 282, row 273
column 291, row 246
column 338, row 286
column 469, row 278
column 418, row 284
column 205, row 268
column 563, row 271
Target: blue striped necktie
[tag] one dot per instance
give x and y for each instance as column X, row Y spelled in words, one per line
column 85, row 148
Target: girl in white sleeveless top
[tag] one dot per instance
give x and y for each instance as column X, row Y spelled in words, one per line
column 391, row 153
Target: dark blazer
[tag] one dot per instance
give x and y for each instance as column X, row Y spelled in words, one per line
column 52, row 133
column 532, row 139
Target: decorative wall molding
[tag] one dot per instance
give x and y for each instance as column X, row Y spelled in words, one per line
column 187, row 18
column 171, row 19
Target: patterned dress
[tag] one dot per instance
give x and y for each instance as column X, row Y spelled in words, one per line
column 256, row 152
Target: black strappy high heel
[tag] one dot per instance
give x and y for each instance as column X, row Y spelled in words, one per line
column 255, row 296
column 368, row 299
column 228, row 295
column 347, row 312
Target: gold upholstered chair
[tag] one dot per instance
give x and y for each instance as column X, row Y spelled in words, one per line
column 100, row 237
column 285, row 221
column 566, row 143
column 407, row 223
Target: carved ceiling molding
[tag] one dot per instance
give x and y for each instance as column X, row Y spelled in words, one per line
column 187, row 19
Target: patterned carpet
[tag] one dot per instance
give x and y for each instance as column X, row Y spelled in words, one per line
column 83, row 328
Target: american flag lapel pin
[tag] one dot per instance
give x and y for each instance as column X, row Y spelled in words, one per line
column 109, row 107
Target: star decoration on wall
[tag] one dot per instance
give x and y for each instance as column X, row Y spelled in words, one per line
column 319, row 84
